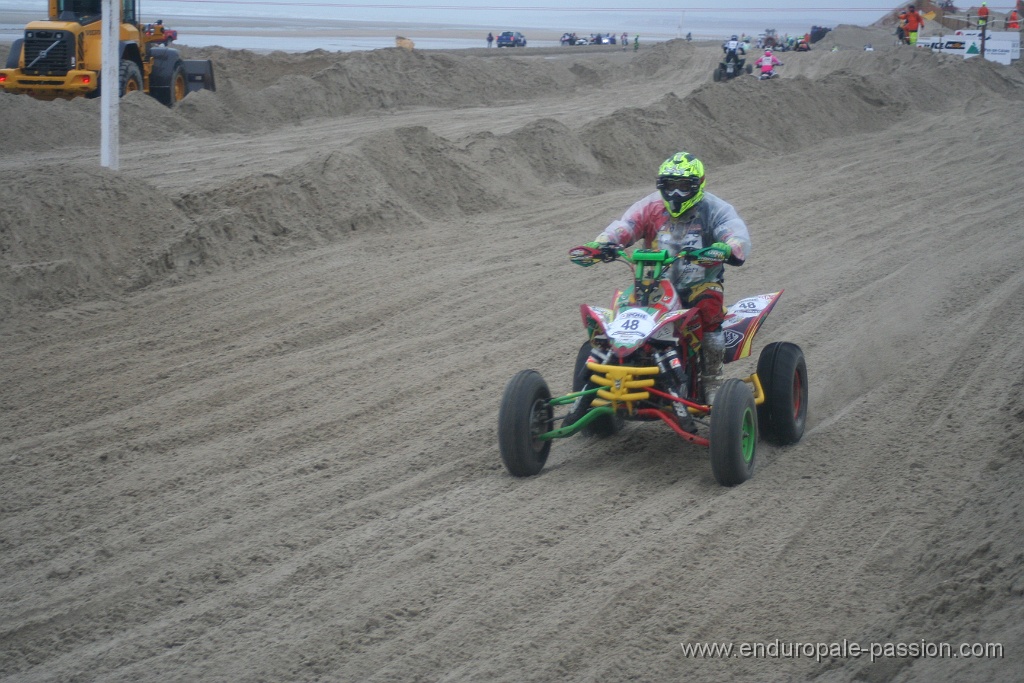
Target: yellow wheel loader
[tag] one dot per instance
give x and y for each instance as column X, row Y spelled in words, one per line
column 61, row 57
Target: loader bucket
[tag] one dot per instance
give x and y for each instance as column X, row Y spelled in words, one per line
column 199, row 74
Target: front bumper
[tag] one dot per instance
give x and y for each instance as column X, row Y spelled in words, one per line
column 75, row 83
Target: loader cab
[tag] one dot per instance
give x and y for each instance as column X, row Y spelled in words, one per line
column 88, row 11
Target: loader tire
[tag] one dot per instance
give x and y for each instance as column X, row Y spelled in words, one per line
column 130, row 77
column 174, row 89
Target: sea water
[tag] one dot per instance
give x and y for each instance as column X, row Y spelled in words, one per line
column 653, row 20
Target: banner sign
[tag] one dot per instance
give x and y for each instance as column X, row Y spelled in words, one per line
column 1000, row 46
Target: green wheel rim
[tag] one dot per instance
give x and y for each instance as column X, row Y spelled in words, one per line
column 749, row 438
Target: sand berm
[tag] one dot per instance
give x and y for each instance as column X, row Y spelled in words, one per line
column 249, row 382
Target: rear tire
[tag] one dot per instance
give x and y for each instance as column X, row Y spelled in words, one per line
column 525, row 413
column 717, row 75
column 783, row 373
column 603, row 426
column 733, row 434
column 169, row 89
column 179, row 86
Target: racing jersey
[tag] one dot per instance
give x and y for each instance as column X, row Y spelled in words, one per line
column 767, row 63
column 733, row 48
column 711, row 220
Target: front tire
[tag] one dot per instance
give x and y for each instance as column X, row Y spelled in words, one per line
column 783, row 373
column 130, row 77
column 733, row 434
column 525, row 413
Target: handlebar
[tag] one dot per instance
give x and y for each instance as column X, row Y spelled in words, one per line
column 613, row 252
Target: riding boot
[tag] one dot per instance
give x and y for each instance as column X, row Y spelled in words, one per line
column 714, row 356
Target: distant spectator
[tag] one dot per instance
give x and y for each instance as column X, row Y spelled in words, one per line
column 625, row 40
column 636, row 42
column 1013, row 20
column 983, row 15
column 490, row 39
column 913, row 23
column 689, row 36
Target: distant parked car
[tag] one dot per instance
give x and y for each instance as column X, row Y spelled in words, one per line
column 511, row 39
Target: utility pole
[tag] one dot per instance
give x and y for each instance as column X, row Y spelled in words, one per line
column 110, row 85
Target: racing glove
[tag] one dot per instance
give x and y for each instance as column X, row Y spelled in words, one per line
column 590, row 253
column 715, row 255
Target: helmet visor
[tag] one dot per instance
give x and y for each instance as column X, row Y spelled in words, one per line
column 678, row 188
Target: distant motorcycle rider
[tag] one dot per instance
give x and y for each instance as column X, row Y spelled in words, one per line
column 681, row 215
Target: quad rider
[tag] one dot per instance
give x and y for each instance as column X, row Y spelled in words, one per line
column 681, row 215
column 767, row 64
column 733, row 48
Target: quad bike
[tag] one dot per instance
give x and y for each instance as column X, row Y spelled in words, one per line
column 768, row 75
column 642, row 361
column 731, row 67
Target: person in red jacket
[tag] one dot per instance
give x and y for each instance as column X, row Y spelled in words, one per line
column 913, row 23
column 983, row 15
column 1013, row 20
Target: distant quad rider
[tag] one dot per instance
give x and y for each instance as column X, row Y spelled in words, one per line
column 681, row 215
column 767, row 64
column 734, row 49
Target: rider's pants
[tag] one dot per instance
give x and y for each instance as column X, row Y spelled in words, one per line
column 709, row 300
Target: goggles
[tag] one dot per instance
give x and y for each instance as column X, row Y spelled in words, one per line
column 679, row 187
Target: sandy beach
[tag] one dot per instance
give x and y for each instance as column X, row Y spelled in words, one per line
column 250, row 380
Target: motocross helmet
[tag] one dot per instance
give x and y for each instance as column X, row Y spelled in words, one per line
column 767, row 53
column 734, row 38
column 681, row 183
